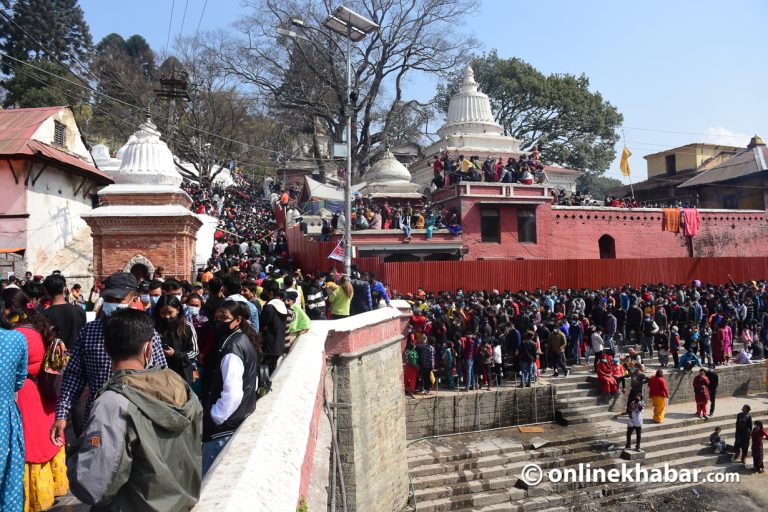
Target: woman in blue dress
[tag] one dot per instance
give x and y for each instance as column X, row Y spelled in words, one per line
column 13, row 372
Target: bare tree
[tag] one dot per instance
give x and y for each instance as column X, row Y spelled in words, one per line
column 219, row 124
column 308, row 77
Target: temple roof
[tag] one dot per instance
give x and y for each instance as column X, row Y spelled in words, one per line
column 469, row 111
column 387, row 169
column 147, row 160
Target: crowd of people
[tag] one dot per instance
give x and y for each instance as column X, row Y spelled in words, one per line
column 190, row 359
column 525, row 170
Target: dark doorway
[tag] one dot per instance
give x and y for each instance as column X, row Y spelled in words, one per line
column 607, row 247
column 401, row 257
column 140, row 272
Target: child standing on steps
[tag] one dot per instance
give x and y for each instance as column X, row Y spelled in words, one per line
column 635, row 421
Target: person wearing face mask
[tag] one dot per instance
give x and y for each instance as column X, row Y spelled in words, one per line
column 155, row 291
column 231, row 381
column 179, row 337
column 89, row 364
column 141, row 445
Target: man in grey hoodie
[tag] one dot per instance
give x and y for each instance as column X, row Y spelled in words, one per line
column 141, row 446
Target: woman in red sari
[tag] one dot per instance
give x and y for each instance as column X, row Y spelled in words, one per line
column 718, row 346
column 45, row 472
column 701, row 392
column 605, row 375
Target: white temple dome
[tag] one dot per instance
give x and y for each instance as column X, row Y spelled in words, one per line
column 146, row 160
column 100, row 153
column 469, row 111
column 121, row 151
column 387, row 169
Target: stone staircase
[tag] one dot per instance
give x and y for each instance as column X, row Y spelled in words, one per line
column 578, row 400
column 482, row 478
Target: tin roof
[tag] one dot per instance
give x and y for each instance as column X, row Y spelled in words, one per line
column 17, row 126
column 748, row 161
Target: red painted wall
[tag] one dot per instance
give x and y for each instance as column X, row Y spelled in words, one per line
column 573, row 233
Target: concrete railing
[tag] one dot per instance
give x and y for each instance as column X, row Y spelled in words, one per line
column 263, row 465
column 268, row 462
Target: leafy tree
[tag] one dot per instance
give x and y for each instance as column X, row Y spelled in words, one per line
column 572, row 125
column 52, row 30
column 35, row 87
column 125, row 72
column 49, row 36
column 308, row 77
column 596, row 185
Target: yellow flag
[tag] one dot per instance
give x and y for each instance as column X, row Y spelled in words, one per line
column 624, row 166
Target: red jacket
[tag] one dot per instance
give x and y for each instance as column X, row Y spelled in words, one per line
column 657, row 386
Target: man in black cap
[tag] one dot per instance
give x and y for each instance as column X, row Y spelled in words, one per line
column 89, row 363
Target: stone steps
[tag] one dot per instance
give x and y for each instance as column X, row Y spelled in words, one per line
column 484, row 481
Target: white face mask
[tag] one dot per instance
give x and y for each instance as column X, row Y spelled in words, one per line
column 110, row 307
column 178, row 297
column 193, row 310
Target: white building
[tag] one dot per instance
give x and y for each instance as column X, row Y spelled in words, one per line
column 47, row 181
column 470, row 129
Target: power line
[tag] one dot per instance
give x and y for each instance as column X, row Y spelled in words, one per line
column 201, row 19
column 262, row 163
column 170, row 23
column 183, row 17
column 136, row 107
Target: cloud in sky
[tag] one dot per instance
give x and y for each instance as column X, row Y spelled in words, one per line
column 724, row 136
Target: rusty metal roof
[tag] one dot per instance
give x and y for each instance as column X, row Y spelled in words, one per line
column 17, row 126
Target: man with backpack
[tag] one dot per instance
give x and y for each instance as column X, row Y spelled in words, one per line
column 411, row 368
column 426, row 354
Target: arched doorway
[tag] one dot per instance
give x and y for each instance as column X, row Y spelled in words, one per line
column 140, row 272
column 607, row 247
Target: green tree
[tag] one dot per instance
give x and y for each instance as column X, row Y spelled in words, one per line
column 44, row 40
column 52, row 30
column 597, row 186
column 35, row 87
column 125, row 73
column 572, row 125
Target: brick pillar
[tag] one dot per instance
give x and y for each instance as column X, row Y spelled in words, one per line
column 368, row 372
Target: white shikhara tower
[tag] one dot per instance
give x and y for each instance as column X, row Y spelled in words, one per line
column 469, row 129
column 470, row 126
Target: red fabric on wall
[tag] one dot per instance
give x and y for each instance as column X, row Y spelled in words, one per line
column 692, row 221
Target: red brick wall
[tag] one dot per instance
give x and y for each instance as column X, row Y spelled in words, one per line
column 573, row 233
column 166, row 242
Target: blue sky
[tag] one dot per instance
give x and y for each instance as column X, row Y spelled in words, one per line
column 679, row 71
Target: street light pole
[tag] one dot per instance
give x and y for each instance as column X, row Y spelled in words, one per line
column 355, row 28
column 348, row 108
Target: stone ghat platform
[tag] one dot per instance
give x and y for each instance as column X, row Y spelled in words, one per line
column 478, row 471
column 570, row 401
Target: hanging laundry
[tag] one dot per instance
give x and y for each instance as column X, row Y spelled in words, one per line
column 670, row 220
column 692, row 221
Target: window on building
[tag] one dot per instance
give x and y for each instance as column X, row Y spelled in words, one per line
column 526, row 226
column 490, row 225
column 59, row 133
column 671, row 164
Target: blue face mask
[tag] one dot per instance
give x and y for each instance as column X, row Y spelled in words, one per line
column 110, row 307
column 154, row 299
column 144, row 298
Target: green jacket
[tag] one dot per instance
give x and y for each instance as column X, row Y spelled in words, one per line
column 141, row 448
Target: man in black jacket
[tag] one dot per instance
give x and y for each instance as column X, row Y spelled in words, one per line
column 272, row 324
column 526, row 356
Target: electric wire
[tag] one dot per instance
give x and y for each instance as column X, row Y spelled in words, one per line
column 170, row 24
